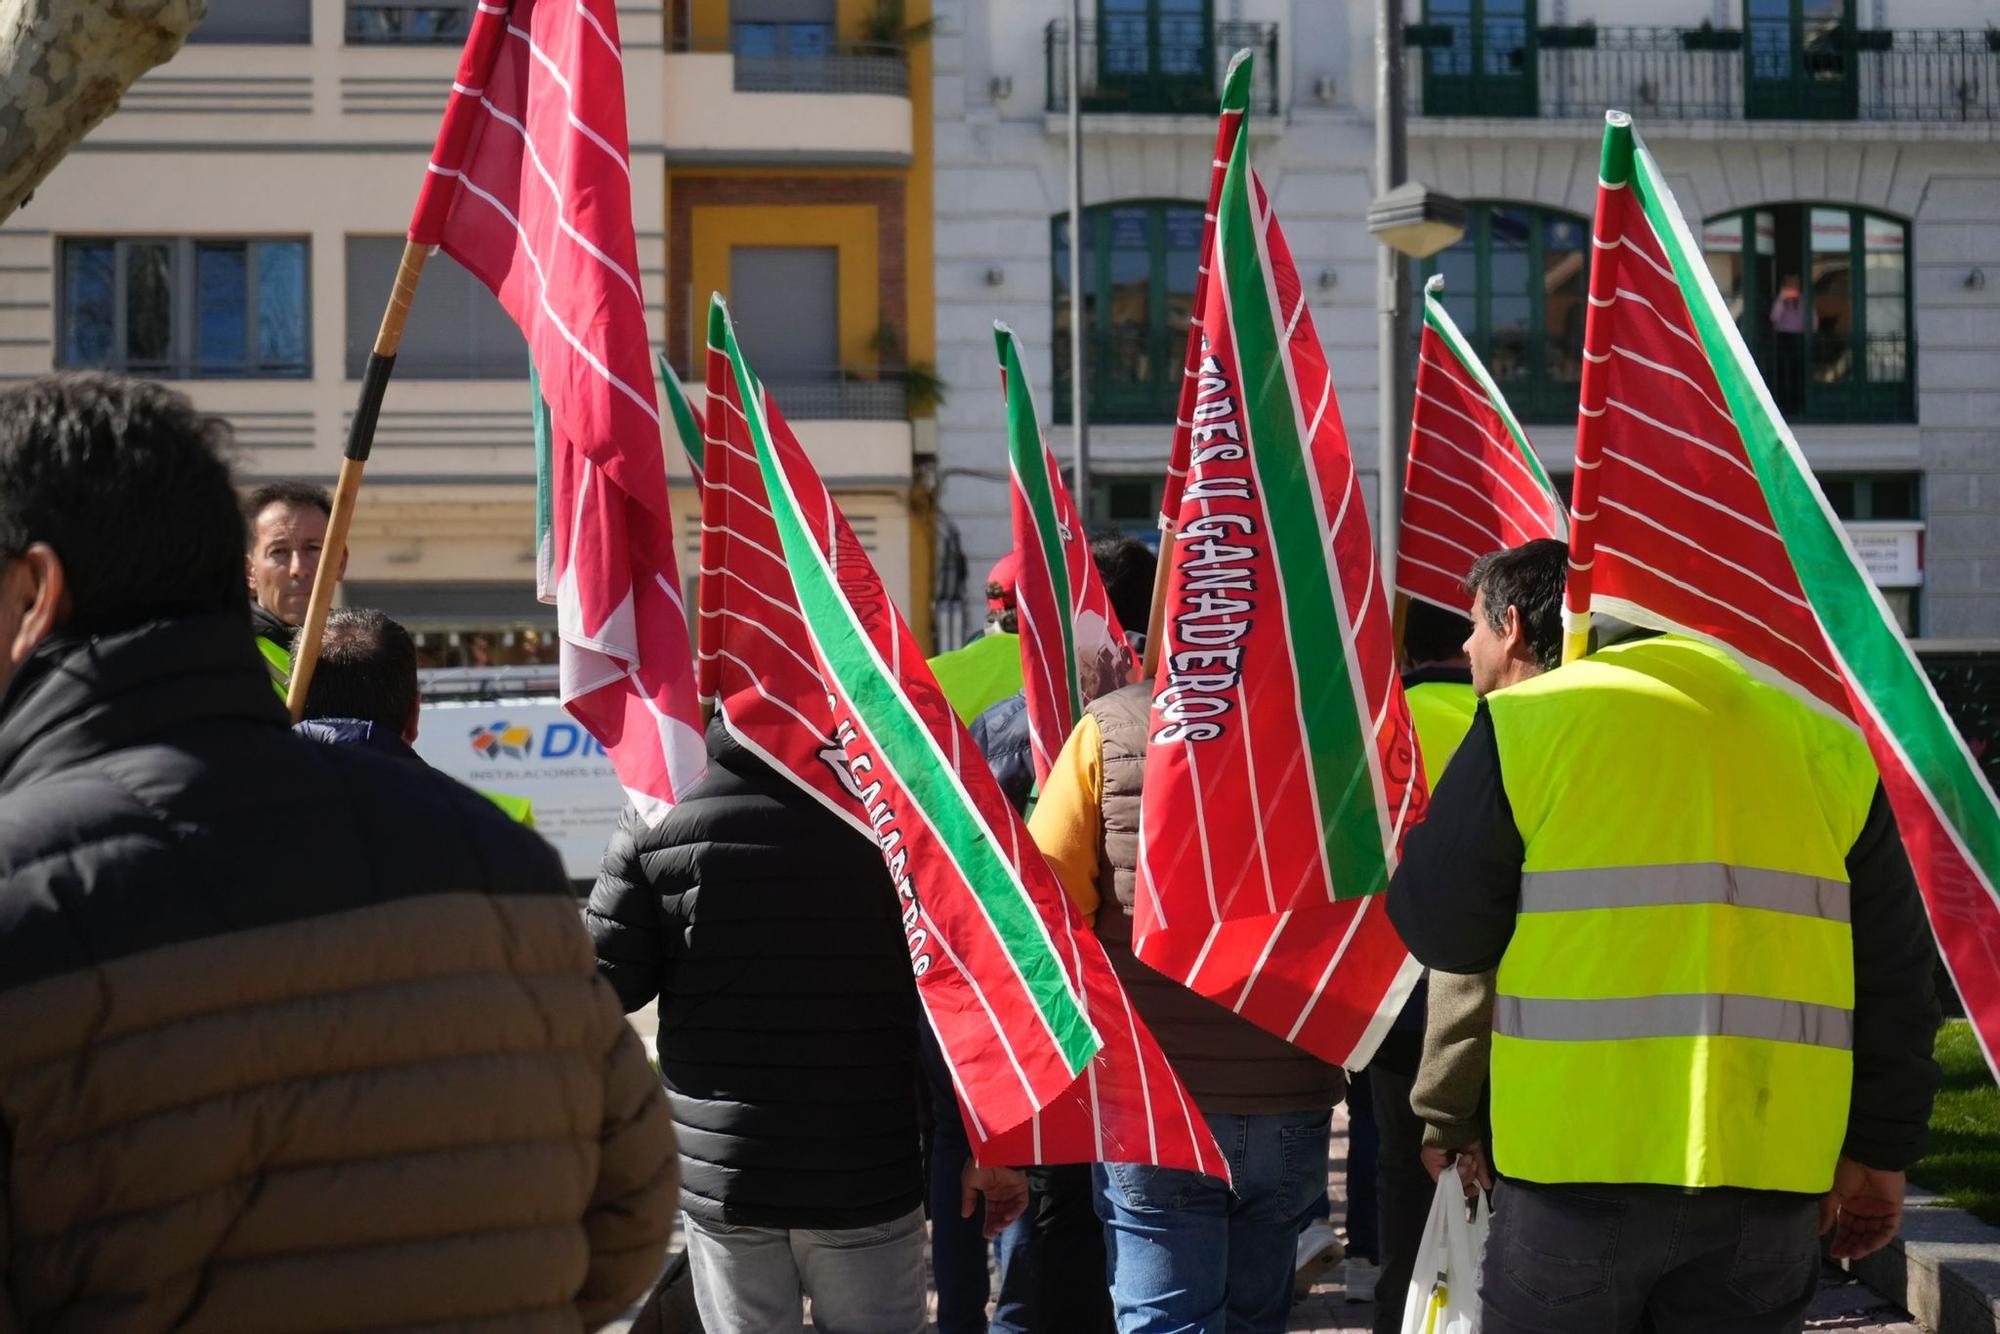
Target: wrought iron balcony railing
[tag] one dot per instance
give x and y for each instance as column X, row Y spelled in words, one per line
column 1159, row 65
column 876, row 68
column 1704, row 73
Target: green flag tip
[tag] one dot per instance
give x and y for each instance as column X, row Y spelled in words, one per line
column 1434, row 285
column 1618, row 120
column 1242, row 57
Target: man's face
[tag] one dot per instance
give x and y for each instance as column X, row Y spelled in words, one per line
column 1488, row 652
column 284, row 556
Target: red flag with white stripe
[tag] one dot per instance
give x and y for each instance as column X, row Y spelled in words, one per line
column 530, row 188
column 1695, row 511
column 1473, row 484
column 814, row 670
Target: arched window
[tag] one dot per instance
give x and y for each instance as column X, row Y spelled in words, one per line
column 1518, row 284
column 1822, row 295
column 1139, row 262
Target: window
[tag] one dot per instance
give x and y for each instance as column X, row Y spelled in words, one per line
column 785, row 301
column 1883, row 513
column 1517, row 283
column 1126, row 505
column 251, row 22
column 183, row 308
column 457, row 329
column 1822, row 297
column 1139, row 262
column 369, row 22
column 1798, row 65
column 1155, row 55
column 782, row 29
column 1479, row 57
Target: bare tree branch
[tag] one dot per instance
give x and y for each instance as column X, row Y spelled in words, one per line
column 63, row 66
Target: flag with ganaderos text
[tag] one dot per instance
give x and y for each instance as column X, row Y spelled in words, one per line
column 1473, row 483
column 1282, row 767
column 1235, row 111
column 530, row 188
column 814, row 670
column 1694, row 510
column 1072, row 647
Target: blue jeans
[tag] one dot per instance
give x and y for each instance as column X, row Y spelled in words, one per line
column 1186, row 1256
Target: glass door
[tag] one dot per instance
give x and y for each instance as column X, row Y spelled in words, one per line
column 1799, row 60
column 1488, row 67
column 1155, row 55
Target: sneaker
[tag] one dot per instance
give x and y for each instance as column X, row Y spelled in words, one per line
column 1358, row 1277
column 1319, row 1250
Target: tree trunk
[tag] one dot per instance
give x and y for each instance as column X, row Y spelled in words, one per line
column 64, row 64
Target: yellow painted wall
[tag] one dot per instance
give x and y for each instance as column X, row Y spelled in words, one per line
column 849, row 228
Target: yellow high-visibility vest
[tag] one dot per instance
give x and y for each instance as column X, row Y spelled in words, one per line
column 278, row 661
column 1676, row 1005
column 1442, row 713
column 518, row 809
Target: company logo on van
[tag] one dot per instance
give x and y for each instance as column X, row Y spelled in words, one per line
column 502, row 739
column 560, row 740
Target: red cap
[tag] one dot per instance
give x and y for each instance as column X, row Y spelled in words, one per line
column 1006, row 572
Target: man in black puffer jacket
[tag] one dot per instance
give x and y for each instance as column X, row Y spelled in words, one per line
column 767, row 927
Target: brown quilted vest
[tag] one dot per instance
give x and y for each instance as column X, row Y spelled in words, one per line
column 1228, row 1063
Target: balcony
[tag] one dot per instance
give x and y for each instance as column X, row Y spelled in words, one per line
column 742, row 100
column 1173, row 67
column 1721, row 74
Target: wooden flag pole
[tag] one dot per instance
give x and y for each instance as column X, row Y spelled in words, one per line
column 360, row 439
column 1156, row 616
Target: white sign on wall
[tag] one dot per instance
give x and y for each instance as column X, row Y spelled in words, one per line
column 531, row 749
column 1891, row 551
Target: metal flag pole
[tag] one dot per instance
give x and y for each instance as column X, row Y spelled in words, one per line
column 360, row 439
column 1080, row 483
column 1392, row 305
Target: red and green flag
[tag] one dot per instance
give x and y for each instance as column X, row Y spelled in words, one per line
column 686, row 421
column 1235, row 111
column 814, row 670
column 1282, row 768
column 1072, row 647
column 1694, row 510
column 1473, row 484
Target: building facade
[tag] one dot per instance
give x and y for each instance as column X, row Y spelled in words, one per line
column 233, row 230
column 1841, row 158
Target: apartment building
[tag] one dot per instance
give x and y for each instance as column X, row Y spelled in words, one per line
column 234, row 227
column 1840, row 157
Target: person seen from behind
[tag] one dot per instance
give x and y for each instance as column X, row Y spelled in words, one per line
column 1713, row 1012
column 298, row 1037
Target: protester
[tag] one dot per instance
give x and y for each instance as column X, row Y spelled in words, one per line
column 981, row 674
column 1523, row 588
column 1185, row 1251
column 1051, row 1262
column 1438, row 685
column 1714, row 1010
column 287, row 530
column 767, row 928
column 297, row 1036
column 364, row 693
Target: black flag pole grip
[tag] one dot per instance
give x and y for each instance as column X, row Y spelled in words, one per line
column 354, row 459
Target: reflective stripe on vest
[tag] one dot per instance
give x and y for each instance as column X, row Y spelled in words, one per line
column 1676, row 1003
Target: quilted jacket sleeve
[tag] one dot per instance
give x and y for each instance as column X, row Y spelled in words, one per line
column 624, row 919
column 631, row 1213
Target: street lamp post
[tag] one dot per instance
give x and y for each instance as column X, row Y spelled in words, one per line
column 1080, row 465
column 1411, row 222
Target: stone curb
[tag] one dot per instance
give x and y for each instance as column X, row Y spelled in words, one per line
column 1943, row 1268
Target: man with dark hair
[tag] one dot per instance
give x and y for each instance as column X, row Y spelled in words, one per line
column 364, row 693
column 287, row 522
column 362, row 1076
column 1712, row 1015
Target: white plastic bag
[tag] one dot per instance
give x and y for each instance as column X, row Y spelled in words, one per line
column 1444, row 1285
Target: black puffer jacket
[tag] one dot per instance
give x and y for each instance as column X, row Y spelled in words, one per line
column 767, row 927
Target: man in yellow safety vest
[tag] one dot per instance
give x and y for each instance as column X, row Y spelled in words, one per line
column 1714, row 1009
column 287, row 527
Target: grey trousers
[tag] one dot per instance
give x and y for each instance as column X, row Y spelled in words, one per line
column 863, row 1280
column 1623, row 1259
